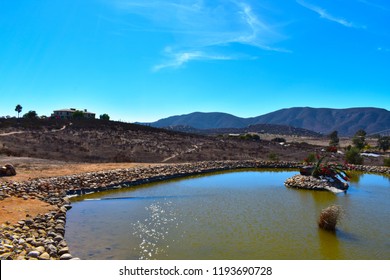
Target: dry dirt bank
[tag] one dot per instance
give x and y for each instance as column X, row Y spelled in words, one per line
column 14, row 209
column 33, row 168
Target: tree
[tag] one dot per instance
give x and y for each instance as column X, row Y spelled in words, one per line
column 18, row 109
column 359, row 139
column 30, row 115
column 384, row 143
column 78, row 114
column 334, row 139
column 353, row 156
column 105, row 117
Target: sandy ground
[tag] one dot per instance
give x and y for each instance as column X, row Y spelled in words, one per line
column 14, row 209
column 344, row 142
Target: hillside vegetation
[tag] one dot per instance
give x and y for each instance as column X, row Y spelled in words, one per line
column 107, row 141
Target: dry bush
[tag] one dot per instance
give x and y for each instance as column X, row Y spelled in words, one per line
column 329, row 217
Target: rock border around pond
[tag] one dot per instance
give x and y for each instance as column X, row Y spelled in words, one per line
column 42, row 237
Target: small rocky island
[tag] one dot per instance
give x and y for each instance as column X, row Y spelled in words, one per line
column 328, row 177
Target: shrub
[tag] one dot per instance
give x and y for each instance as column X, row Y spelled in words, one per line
column 331, row 149
column 279, row 140
column 30, row 115
column 329, row 217
column 334, row 138
column 104, row 117
column 311, row 158
column 78, row 114
column 386, row 161
column 359, row 139
column 353, row 156
column 273, row 157
column 384, row 143
column 253, row 137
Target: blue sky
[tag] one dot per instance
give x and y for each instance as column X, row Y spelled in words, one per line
column 142, row 60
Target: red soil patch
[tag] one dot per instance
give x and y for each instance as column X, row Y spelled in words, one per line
column 14, row 209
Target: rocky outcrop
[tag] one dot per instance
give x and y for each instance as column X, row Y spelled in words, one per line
column 312, row 183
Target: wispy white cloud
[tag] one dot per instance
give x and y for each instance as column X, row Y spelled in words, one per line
column 259, row 33
column 178, row 59
column 372, row 4
column 202, row 28
column 326, row 15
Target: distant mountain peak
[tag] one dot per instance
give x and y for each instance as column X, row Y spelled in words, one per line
column 321, row 120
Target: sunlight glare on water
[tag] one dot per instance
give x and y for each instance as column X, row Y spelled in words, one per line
column 233, row 215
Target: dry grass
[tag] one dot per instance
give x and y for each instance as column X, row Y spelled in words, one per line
column 33, row 168
column 329, row 217
column 116, row 144
column 95, row 141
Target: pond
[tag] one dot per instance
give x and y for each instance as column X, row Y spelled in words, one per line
column 233, row 215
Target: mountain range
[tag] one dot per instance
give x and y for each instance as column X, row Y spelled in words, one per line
column 320, row 120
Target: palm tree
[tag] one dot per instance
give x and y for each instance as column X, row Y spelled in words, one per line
column 18, row 109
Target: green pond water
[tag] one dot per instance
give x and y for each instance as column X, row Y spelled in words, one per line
column 233, row 215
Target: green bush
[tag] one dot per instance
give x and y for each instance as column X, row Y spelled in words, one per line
column 386, row 161
column 334, row 139
column 30, row 115
column 105, row 117
column 359, row 139
column 310, row 158
column 253, row 137
column 353, row 156
column 78, row 114
column 384, row 143
column 273, row 157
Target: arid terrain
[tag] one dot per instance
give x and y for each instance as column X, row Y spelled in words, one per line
column 49, row 148
column 96, row 141
column 14, row 209
column 33, row 168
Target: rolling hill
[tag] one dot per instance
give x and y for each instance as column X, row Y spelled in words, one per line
column 320, row 120
column 200, row 120
column 88, row 140
column 324, row 120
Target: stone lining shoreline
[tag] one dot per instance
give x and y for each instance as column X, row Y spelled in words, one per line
column 42, row 237
column 311, row 183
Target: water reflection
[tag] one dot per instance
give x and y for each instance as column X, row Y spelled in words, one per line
column 354, row 177
column 329, row 245
column 346, row 236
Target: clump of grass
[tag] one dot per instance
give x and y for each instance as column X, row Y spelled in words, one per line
column 273, row 157
column 329, row 217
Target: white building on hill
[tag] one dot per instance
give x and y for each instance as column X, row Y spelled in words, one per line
column 68, row 113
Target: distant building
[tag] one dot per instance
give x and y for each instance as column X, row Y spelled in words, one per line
column 68, row 114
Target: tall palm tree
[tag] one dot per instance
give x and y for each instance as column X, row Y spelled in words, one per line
column 18, row 109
